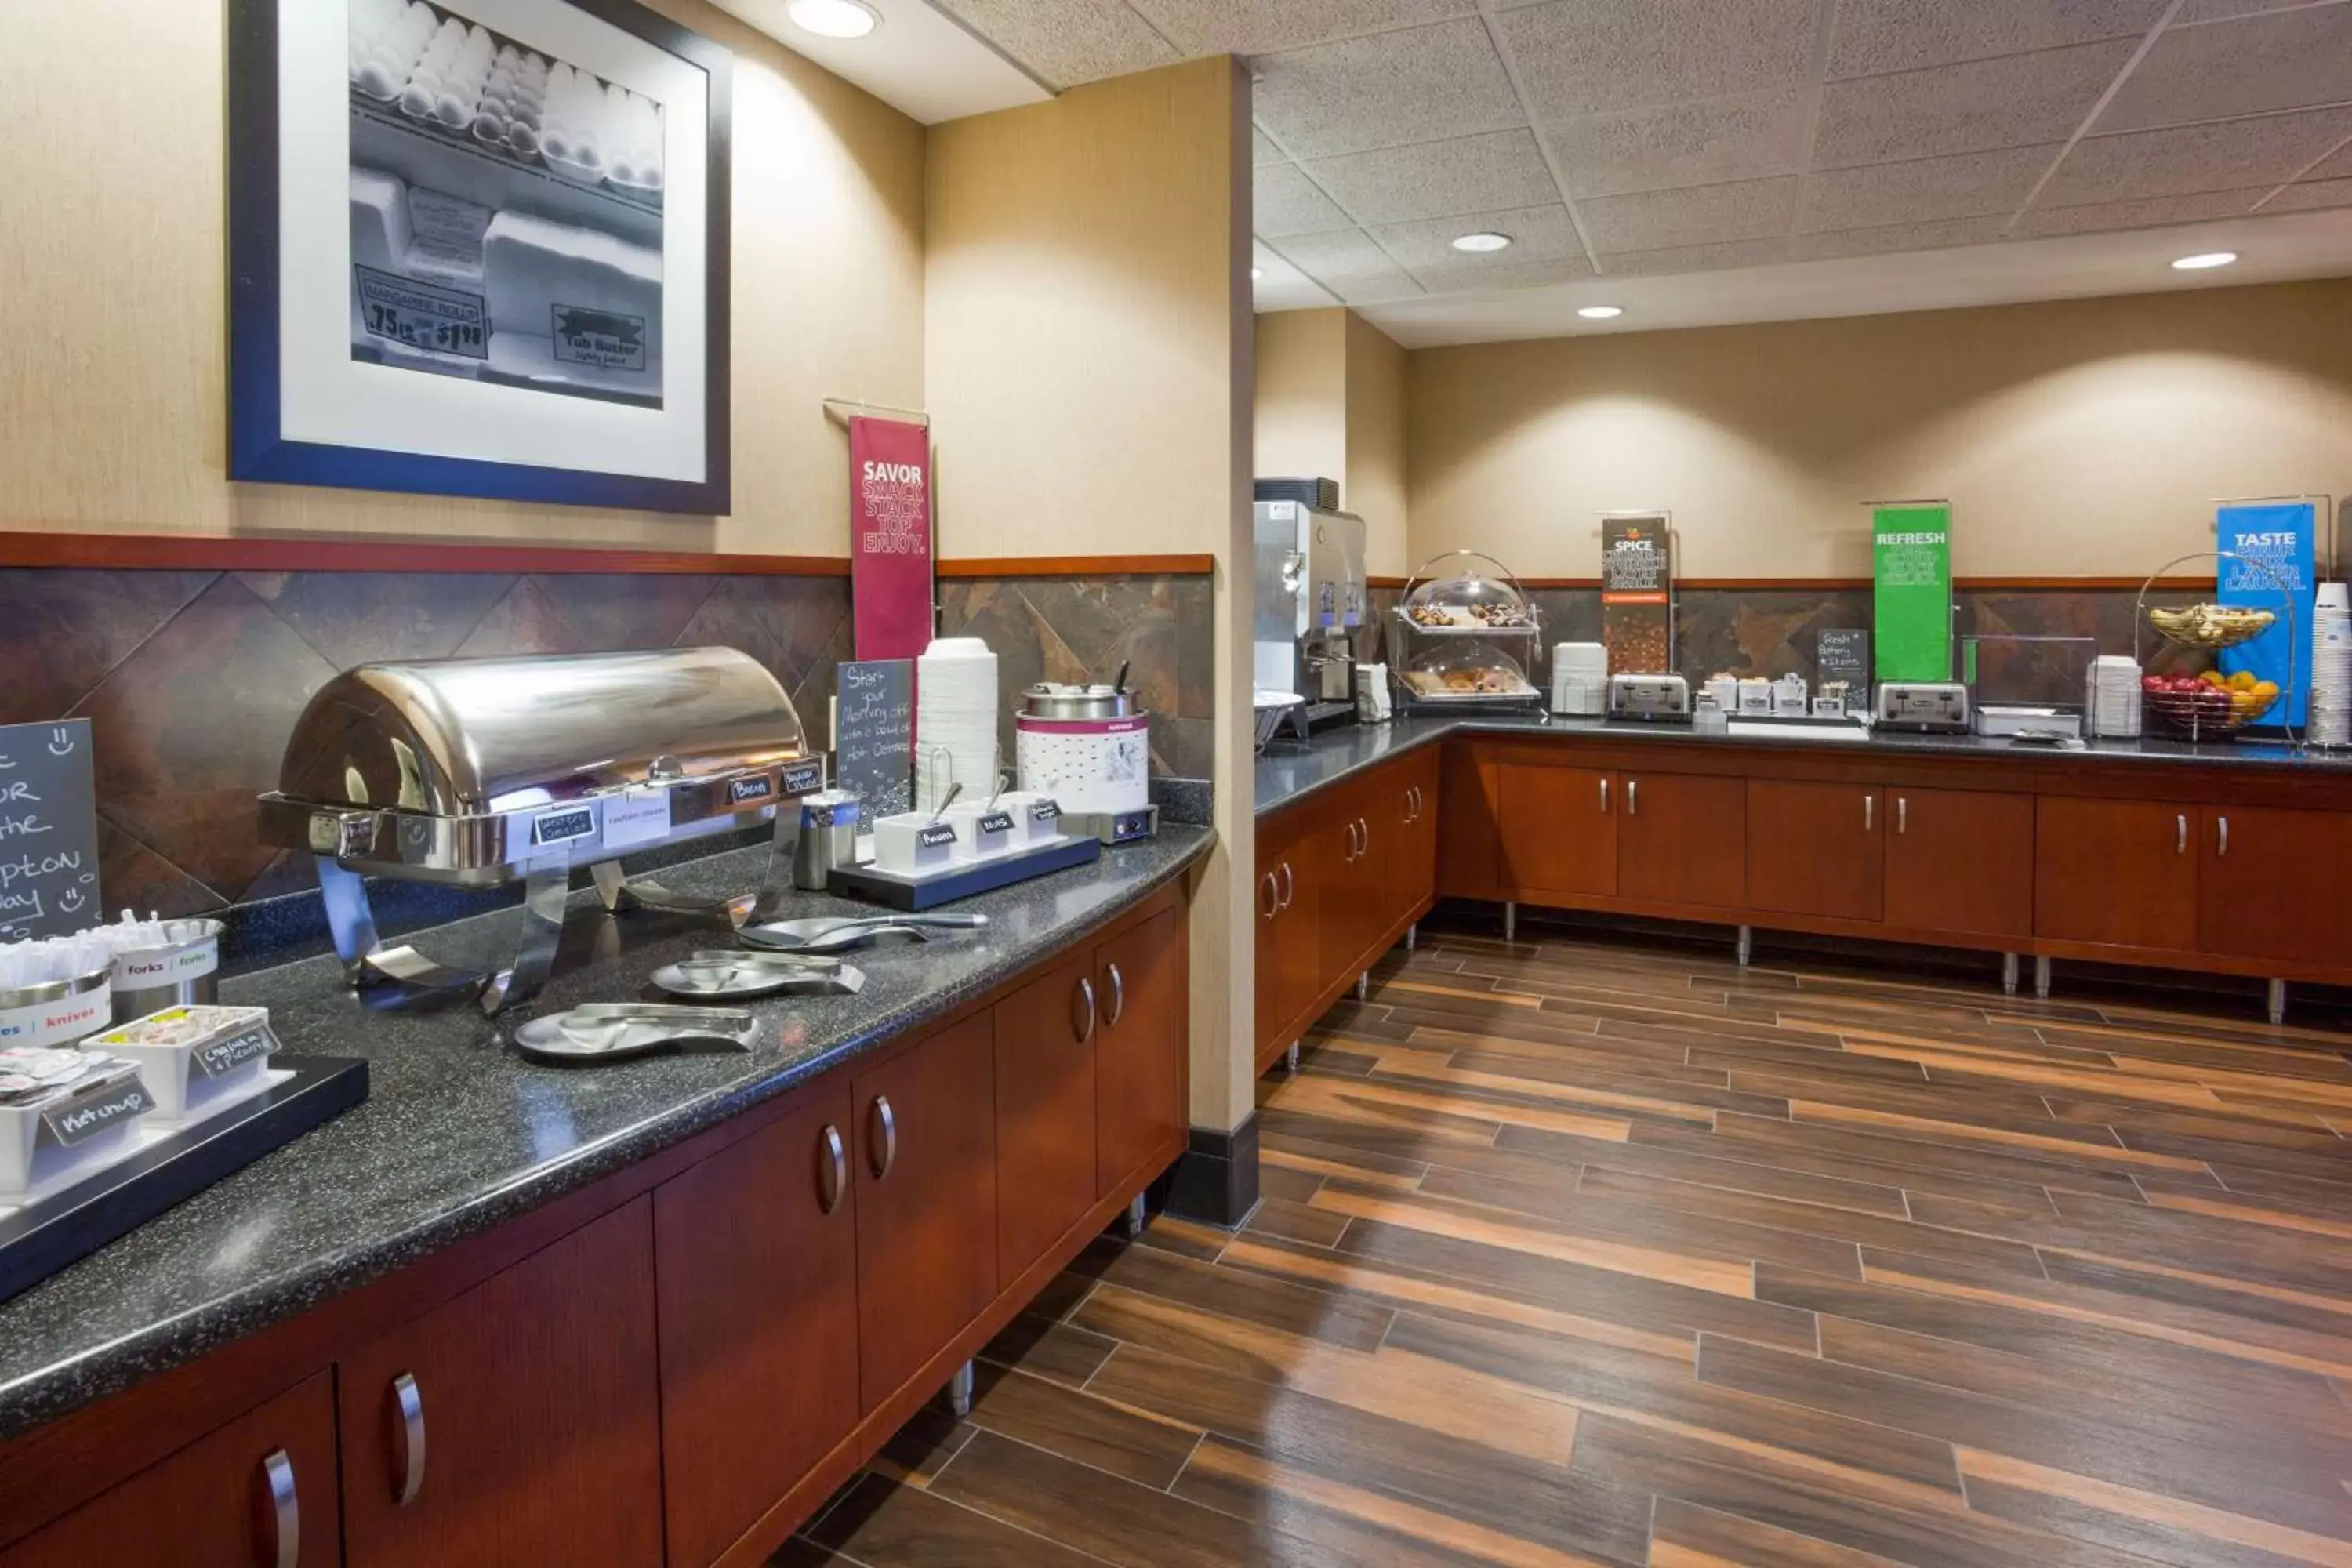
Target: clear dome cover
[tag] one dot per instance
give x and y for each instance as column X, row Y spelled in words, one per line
column 1467, row 672
column 1470, row 599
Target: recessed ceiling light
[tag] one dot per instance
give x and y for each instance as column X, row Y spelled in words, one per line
column 834, row 18
column 2209, row 258
column 1600, row 313
column 1482, row 242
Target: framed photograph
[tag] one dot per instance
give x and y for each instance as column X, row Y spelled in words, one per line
column 479, row 247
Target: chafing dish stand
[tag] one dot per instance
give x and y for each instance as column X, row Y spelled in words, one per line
column 484, row 773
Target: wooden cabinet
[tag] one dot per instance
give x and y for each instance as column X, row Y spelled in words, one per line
column 1046, row 1091
column 1290, row 901
column 516, row 1422
column 1959, row 861
column 1143, row 982
column 1563, row 834
column 1470, row 824
column 925, row 1166
column 756, row 1268
column 1401, row 815
column 1815, row 849
column 1349, row 890
column 2267, row 880
column 2120, row 872
column 1682, row 839
column 257, row 1492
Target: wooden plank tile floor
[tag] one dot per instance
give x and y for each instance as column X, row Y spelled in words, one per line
column 1576, row 1252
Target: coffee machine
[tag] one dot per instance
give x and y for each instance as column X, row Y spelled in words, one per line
column 1310, row 600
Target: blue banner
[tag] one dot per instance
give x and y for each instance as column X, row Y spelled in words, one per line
column 2282, row 535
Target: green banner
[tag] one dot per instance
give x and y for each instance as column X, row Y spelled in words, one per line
column 1911, row 563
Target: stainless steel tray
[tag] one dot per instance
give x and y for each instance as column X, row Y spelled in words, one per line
column 739, row 976
column 616, row 1034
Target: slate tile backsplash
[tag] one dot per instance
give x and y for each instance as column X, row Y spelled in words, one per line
column 193, row 680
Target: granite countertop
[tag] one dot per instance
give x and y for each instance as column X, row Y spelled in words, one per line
column 460, row 1133
column 1289, row 771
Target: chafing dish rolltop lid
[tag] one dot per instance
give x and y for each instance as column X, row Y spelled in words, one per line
column 477, row 773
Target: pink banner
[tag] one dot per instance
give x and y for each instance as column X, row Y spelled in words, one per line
column 890, row 537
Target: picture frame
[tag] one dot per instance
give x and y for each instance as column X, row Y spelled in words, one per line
column 480, row 248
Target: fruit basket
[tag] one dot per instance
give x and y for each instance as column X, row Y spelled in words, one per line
column 2209, row 705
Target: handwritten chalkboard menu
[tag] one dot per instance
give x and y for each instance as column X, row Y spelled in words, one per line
column 874, row 735
column 1844, row 654
column 49, row 830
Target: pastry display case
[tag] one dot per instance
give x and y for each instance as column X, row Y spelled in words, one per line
column 1467, row 636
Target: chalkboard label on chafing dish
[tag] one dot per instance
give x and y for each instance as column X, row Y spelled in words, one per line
column 76, row 1121
column 804, row 778
column 993, row 824
column 564, row 825
column 743, row 791
column 937, row 834
column 228, row 1055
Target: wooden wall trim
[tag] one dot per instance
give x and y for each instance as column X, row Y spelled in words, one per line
column 194, row 553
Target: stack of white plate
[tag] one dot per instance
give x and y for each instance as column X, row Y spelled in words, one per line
column 2113, row 700
column 955, row 721
column 1580, row 677
column 2330, row 721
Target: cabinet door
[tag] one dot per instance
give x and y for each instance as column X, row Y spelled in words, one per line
column 237, row 1497
column 1469, row 824
column 1561, row 830
column 1289, row 962
column 1683, row 840
column 1347, row 888
column 1273, row 965
column 2120, row 871
column 926, row 1175
column 1960, row 861
column 1415, row 868
column 1141, row 979
column 443, row 1463
column 2265, row 875
column 756, row 1272
column 1044, row 1110
column 1815, row 849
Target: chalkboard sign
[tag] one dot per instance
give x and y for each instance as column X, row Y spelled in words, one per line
column 874, row 735
column 1845, row 655
column 49, row 830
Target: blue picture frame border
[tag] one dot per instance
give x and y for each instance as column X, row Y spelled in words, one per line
column 257, row 446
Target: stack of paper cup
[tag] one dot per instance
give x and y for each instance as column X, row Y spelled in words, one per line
column 2330, row 721
column 2113, row 700
column 955, row 721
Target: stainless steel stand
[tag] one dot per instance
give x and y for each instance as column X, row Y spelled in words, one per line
column 959, row 1392
column 367, row 962
column 2008, row 967
column 2042, row 977
column 619, row 890
column 1134, row 1218
column 1412, row 936
column 2278, row 1002
column 1510, row 919
column 1364, row 986
column 1290, row 1059
column 1747, row 944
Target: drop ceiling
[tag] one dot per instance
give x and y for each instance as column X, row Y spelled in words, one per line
column 1793, row 153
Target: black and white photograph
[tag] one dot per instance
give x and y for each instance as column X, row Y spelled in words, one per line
column 481, row 250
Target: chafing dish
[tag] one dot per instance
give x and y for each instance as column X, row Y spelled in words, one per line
column 481, row 772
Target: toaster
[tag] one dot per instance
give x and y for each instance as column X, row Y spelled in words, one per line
column 1928, row 707
column 1651, row 697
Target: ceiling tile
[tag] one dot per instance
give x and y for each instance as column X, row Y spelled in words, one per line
column 1545, row 248
column 2289, row 59
column 1468, row 174
column 1067, row 41
column 2222, row 10
column 1682, row 144
column 2311, row 194
column 1262, row 26
column 2017, row 101
column 1278, row 285
column 1417, row 85
column 1972, row 185
column 1263, row 150
column 1283, row 201
column 1349, row 264
column 1693, row 214
column 2271, row 150
column 1874, row 36
column 1940, row 235
column 1579, row 58
column 2335, row 167
column 1696, row 259
column 2150, row 212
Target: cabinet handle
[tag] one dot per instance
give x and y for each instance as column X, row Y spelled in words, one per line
column 1869, row 811
column 1082, row 1022
column 1273, row 903
column 285, row 1510
column 1364, row 837
column 1117, row 997
column 833, row 1171
column 2180, row 834
column 2223, row 847
column 1632, row 798
column 1289, row 885
column 408, row 1450
column 1604, row 795
column 886, row 1136
column 1902, row 813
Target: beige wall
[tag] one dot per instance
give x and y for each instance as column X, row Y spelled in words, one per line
column 113, row 282
column 1375, row 478
column 1301, row 415
column 2084, row 439
column 1087, row 360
